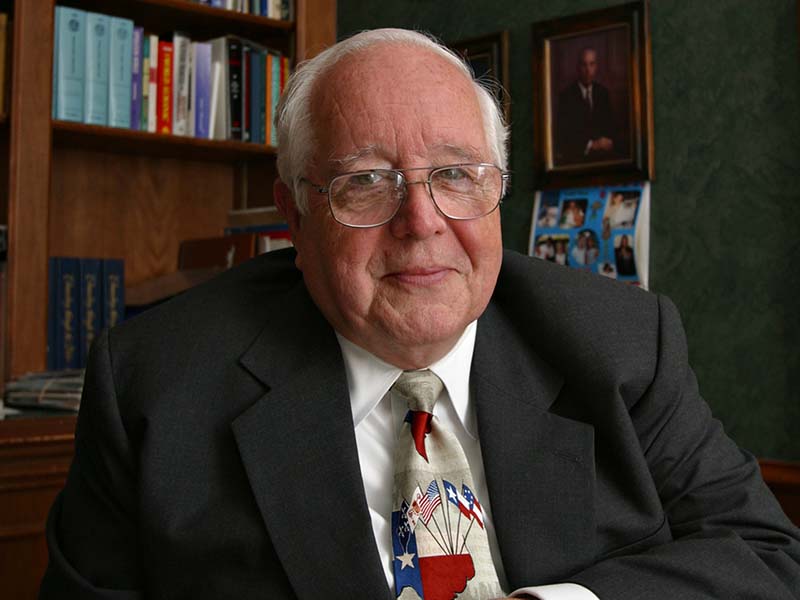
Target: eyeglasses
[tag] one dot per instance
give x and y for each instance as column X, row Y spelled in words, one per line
column 372, row 197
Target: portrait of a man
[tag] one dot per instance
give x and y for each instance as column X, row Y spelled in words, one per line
column 590, row 106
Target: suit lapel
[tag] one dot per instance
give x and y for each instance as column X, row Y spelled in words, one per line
column 539, row 466
column 298, row 447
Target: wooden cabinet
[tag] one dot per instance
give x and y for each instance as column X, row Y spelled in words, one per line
column 78, row 190
column 35, row 454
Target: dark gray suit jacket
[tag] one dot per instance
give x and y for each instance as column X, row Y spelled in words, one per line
column 216, row 458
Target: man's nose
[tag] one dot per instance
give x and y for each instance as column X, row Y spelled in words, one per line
column 418, row 215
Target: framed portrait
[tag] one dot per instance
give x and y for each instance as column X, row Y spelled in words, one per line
column 488, row 57
column 592, row 93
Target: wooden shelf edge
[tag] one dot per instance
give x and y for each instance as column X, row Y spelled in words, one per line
column 183, row 7
column 129, row 141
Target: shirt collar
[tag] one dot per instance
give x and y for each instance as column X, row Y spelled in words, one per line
column 369, row 378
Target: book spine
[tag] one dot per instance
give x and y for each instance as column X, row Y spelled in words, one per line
column 52, row 313
column 120, row 63
column 165, row 87
column 152, row 109
column 113, row 291
column 276, row 93
column 218, row 3
column 145, row 85
column 89, row 306
column 54, row 88
column 95, row 108
column 256, row 95
column 202, row 87
column 68, row 309
column 268, row 98
column 71, row 63
column 137, row 89
column 235, row 87
column 180, row 84
column 246, row 90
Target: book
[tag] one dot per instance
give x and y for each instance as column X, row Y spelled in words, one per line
column 276, row 93
column 152, row 108
column 201, row 89
column 245, row 91
column 63, row 310
column 137, row 96
column 270, row 109
column 69, row 58
column 257, row 95
column 89, row 305
column 120, row 64
column 181, row 46
column 220, row 105
column 113, row 292
column 165, row 64
column 96, row 95
column 235, row 87
column 145, row 83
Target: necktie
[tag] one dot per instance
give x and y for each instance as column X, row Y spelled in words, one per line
column 439, row 543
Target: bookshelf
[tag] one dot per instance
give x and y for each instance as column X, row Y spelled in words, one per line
column 80, row 190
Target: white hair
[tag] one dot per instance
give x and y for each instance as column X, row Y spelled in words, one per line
column 293, row 122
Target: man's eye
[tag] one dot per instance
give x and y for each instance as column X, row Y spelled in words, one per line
column 452, row 174
column 369, row 178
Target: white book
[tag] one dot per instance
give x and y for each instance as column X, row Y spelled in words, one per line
column 180, row 84
column 216, row 92
column 221, row 122
column 153, row 87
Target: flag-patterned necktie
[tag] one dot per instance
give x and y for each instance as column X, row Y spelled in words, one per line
column 440, row 547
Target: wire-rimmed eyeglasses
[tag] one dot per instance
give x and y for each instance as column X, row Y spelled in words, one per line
column 372, row 197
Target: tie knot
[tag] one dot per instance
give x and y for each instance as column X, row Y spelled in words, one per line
column 419, row 388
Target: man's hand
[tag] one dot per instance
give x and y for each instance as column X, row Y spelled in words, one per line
column 602, row 144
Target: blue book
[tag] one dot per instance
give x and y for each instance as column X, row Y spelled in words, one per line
column 70, row 66
column 257, row 77
column 90, row 305
column 95, row 106
column 218, row 3
column 120, row 63
column 52, row 337
column 201, row 89
column 54, row 87
column 63, row 327
column 113, row 292
column 276, row 94
column 136, row 77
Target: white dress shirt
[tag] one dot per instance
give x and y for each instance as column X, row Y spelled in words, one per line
column 378, row 417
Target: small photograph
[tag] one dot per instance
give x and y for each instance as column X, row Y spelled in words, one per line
column 585, row 249
column 553, row 248
column 573, row 213
column 621, row 208
column 623, row 255
column 607, row 269
column 548, row 211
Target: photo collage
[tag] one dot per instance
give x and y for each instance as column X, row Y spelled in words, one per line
column 603, row 230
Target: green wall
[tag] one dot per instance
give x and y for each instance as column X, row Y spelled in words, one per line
column 725, row 201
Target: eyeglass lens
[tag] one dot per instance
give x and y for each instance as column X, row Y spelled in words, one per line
column 372, row 197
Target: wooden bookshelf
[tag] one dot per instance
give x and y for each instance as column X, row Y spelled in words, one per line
column 80, row 190
column 127, row 141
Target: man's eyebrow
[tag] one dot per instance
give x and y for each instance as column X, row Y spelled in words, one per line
column 344, row 162
column 465, row 153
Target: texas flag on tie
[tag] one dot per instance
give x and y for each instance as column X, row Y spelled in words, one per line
column 475, row 508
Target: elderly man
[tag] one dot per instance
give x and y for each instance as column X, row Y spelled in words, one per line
column 401, row 409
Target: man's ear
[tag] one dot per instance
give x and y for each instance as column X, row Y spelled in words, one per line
column 287, row 207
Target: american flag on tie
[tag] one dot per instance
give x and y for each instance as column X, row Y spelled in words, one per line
column 429, row 502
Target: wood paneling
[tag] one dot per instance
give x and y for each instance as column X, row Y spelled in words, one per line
column 28, row 189
column 35, row 454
